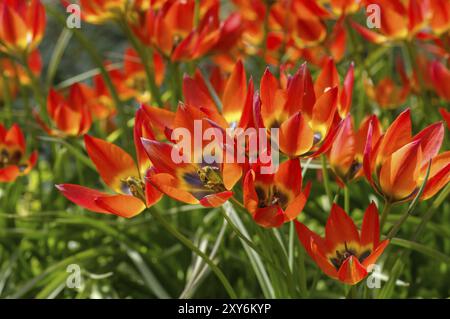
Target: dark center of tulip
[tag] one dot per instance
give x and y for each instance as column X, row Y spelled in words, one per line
column 210, row 178
column 317, row 138
column 274, row 197
column 135, row 187
column 356, row 166
column 8, row 158
column 342, row 254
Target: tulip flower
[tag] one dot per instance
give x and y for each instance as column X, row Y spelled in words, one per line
column 191, row 178
column 236, row 98
column 397, row 164
column 70, row 115
column 275, row 199
column 118, row 170
column 347, row 151
column 329, row 78
column 13, row 159
column 15, row 71
column 345, row 254
column 290, row 25
column 305, row 123
column 131, row 81
column 170, row 28
column 400, row 20
column 22, row 25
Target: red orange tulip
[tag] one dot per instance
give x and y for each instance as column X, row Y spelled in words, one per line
column 274, row 199
column 305, row 118
column 396, row 165
column 400, row 20
column 70, row 115
column 347, row 151
column 345, row 253
column 170, row 28
column 190, row 179
column 22, row 25
column 13, row 159
column 118, row 170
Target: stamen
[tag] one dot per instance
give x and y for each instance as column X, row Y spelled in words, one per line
column 210, row 178
column 135, row 187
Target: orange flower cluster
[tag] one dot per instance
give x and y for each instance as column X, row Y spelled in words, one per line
column 307, row 95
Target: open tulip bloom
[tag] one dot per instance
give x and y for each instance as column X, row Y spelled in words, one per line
column 121, row 174
column 345, row 253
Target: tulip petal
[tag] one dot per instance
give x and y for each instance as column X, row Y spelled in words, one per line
column 216, row 200
column 112, row 162
column 399, row 174
column 342, row 152
column 439, row 175
column 351, row 271
column 296, row 206
column 340, row 228
column 370, row 229
column 170, row 186
column 9, row 174
column 376, row 253
column 15, row 136
column 234, row 95
column 121, row 205
column 83, row 196
column 296, row 137
column 271, row 216
column 397, row 135
column 324, row 111
column 431, row 139
column 327, row 79
column 322, row 261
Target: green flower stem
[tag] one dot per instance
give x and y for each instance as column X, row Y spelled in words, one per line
column 197, row 13
column 57, row 55
column 326, row 180
column 352, row 292
column 346, row 199
column 38, row 92
column 7, row 101
column 174, row 68
column 185, row 241
column 386, row 209
column 360, row 63
column 245, row 238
